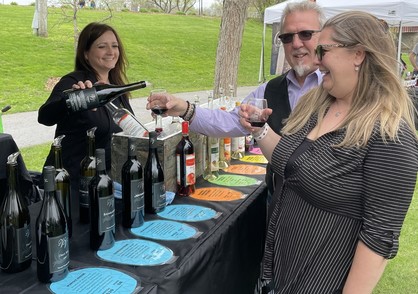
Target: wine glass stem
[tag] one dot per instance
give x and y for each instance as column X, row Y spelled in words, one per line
column 158, row 123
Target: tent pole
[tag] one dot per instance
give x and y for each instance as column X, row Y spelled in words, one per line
column 261, row 72
column 400, row 46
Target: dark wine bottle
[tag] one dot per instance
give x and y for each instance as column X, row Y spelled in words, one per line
column 15, row 231
column 62, row 179
column 102, row 206
column 52, row 243
column 87, row 172
column 154, row 187
column 132, row 189
column 185, row 162
column 98, row 95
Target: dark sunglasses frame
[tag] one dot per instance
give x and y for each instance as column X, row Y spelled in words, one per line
column 320, row 52
column 304, row 35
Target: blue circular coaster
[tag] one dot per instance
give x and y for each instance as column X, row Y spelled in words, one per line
column 165, row 230
column 137, row 252
column 188, row 213
column 95, row 280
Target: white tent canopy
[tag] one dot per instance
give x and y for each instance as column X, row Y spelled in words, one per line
column 394, row 12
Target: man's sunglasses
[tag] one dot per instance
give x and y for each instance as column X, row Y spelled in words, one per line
column 320, row 51
column 305, row 35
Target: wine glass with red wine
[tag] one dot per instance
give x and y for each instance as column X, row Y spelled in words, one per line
column 257, row 119
column 158, row 110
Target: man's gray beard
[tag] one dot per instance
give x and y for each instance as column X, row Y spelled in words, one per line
column 301, row 70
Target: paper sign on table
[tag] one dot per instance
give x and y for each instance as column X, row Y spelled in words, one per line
column 217, row 194
column 254, row 159
column 95, row 280
column 246, row 169
column 166, row 230
column 235, row 181
column 188, row 213
column 138, row 252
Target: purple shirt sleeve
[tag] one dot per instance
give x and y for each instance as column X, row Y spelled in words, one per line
column 219, row 123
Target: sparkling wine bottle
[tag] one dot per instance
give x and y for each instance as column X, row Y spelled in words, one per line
column 127, row 121
column 154, row 187
column 15, row 231
column 185, row 162
column 52, row 243
column 87, row 172
column 132, row 189
column 62, row 180
column 102, row 206
column 98, row 95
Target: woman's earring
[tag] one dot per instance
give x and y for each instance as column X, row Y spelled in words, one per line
column 356, row 68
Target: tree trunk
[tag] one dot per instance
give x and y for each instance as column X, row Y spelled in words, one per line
column 43, row 17
column 229, row 44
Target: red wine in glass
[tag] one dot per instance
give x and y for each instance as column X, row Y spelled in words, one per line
column 159, row 110
column 258, row 124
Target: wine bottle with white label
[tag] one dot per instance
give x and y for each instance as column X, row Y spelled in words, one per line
column 98, row 95
column 132, row 189
column 52, row 243
column 154, row 187
column 15, row 231
column 102, row 206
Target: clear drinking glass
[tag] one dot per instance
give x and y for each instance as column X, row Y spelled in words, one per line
column 256, row 118
column 158, row 110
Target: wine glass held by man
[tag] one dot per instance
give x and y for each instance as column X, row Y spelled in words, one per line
column 300, row 27
column 346, row 165
column 100, row 58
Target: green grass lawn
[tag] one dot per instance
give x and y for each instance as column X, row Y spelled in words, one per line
column 171, row 51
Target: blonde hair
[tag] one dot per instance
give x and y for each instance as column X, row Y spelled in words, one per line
column 379, row 95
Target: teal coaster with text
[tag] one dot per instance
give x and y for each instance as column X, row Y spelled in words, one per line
column 188, row 213
column 95, row 280
column 137, row 252
column 166, row 230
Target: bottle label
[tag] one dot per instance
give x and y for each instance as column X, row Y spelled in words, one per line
column 130, row 126
column 214, row 155
column 83, row 100
column 106, row 214
column 158, row 195
column 24, row 243
column 227, row 149
column 84, row 191
column 137, row 195
column 59, row 253
column 187, row 176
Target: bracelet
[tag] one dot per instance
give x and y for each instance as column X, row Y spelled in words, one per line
column 258, row 136
column 190, row 113
column 187, row 110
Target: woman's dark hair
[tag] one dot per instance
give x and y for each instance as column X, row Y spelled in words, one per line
column 88, row 35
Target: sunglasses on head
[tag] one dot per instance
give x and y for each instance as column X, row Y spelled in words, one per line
column 305, row 35
column 320, row 51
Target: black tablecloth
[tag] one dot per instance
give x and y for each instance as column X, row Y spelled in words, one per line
column 224, row 259
column 7, row 147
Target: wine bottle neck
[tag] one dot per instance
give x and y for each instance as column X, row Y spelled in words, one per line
column 12, row 177
column 91, row 146
column 58, row 157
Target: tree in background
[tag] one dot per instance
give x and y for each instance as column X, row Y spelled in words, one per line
column 261, row 5
column 168, row 6
column 229, row 45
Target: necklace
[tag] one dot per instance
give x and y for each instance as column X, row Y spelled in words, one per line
column 339, row 112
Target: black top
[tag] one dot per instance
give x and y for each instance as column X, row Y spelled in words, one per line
column 75, row 125
column 332, row 198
